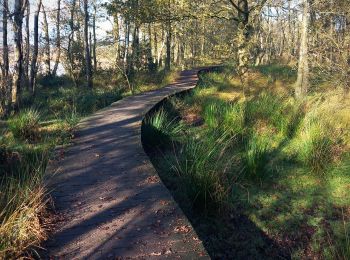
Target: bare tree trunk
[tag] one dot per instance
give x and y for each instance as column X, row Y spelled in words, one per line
column 33, row 66
column 58, row 38
column 155, row 40
column 127, row 43
column 88, row 69
column 18, row 54
column 71, row 43
column 168, row 47
column 27, row 48
column 94, row 37
column 47, row 58
column 149, row 49
column 302, row 83
column 116, row 39
column 5, row 59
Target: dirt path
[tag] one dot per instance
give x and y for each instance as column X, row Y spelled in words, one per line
column 112, row 203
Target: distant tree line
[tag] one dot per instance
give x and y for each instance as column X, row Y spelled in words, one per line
column 148, row 35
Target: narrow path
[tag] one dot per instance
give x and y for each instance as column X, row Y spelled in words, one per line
column 110, row 199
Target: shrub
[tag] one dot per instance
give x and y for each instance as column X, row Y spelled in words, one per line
column 25, row 125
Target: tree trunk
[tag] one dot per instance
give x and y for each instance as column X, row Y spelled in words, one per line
column 243, row 39
column 47, row 54
column 5, row 59
column 94, row 37
column 302, row 83
column 149, row 49
column 18, row 54
column 155, row 41
column 27, row 48
column 168, row 47
column 116, row 39
column 33, row 66
column 88, row 70
column 58, row 38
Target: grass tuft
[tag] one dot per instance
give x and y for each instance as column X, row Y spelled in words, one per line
column 25, row 125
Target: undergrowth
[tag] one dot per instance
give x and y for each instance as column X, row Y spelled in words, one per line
column 27, row 141
column 278, row 161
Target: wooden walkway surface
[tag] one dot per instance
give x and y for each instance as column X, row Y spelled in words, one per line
column 109, row 196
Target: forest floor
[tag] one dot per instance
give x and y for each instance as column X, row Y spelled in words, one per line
column 259, row 175
column 27, row 142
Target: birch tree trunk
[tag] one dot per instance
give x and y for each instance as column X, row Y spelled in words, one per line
column 302, row 83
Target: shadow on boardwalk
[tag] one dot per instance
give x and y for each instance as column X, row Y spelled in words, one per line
column 109, row 198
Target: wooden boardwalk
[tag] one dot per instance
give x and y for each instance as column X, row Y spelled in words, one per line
column 110, row 200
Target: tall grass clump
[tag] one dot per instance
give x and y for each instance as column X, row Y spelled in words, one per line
column 159, row 128
column 266, row 107
column 315, row 149
column 233, row 119
column 255, row 156
column 204, row 166
column 25, row 125
column 22, row 205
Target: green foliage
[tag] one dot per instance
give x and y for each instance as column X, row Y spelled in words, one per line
column 265, row 156
column 212, row 112
column 316, row 146
column 199, row 166
column 266, row 107
column 25, row 125
column 255, row 156
column 277, row 71
column 159, row 128
column 233, row 119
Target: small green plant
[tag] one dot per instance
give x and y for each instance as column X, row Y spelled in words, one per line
column 25, row 125
column 72, row 119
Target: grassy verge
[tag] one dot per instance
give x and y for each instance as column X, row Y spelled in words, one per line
column 270, row 174
column 27, row 141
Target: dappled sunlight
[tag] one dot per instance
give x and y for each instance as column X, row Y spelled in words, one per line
column 281, row 164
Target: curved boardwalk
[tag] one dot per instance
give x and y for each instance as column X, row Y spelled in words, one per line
column 110, row 199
